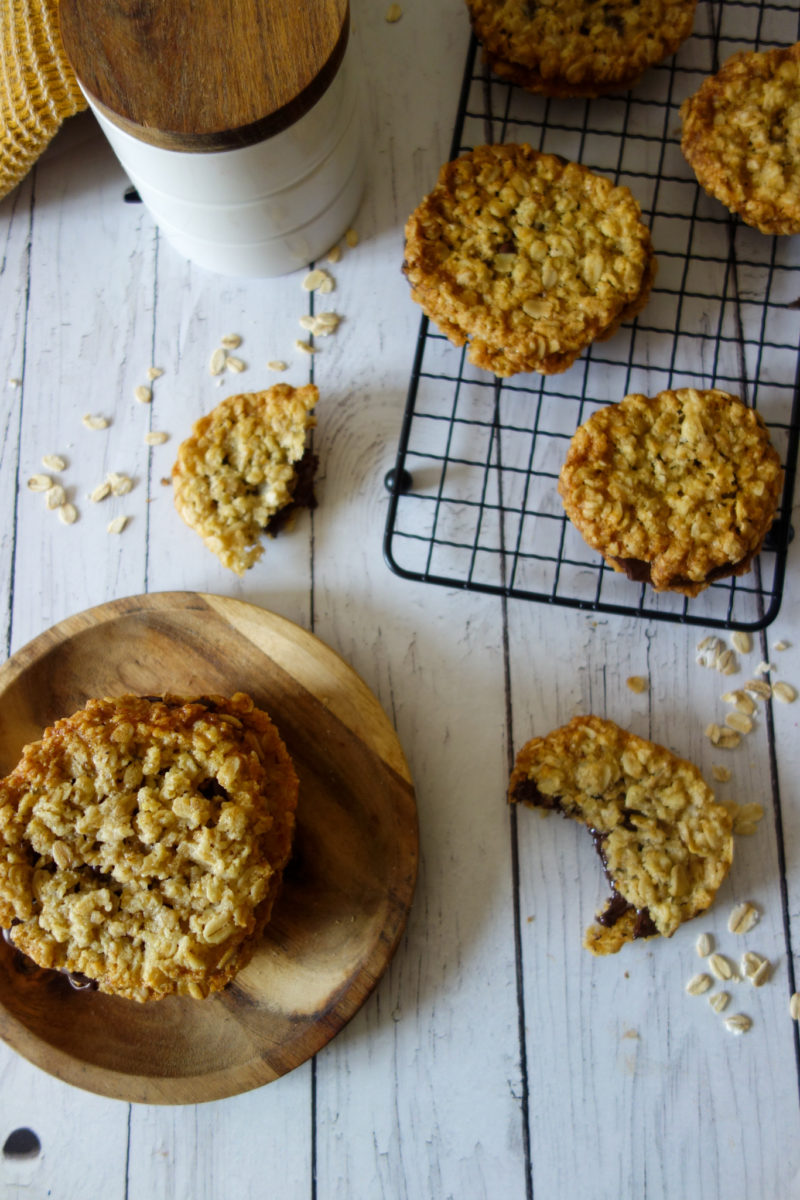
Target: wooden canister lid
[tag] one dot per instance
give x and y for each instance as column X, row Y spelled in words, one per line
column 204, row 74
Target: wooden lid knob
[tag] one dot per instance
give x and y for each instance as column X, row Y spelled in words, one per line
column 204, row 74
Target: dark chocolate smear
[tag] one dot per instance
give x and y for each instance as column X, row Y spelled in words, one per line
column 302, row 496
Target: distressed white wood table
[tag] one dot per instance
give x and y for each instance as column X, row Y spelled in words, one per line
column 496, row 1058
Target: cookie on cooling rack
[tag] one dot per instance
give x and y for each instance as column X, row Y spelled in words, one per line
column 676, row 490
column 579, row 47
column 245, row 468
column 666, row 845
column 741, row 136
column 529, row 257
column 142, row 842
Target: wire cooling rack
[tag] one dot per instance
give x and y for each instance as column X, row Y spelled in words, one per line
column 473, row 500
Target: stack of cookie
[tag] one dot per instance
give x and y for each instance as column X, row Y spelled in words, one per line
column 528, row 256
column 578, row 47
column 142, row 842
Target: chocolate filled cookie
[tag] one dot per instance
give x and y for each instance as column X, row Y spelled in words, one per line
column 142, row 842
column 245, row 468
column 528, row 257
column 741, row 136
column 579, row 47
column 675, row 490
column 665, row 844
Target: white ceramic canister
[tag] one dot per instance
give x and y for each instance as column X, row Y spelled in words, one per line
column 263, row 179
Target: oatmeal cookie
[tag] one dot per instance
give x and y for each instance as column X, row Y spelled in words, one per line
column 666, row 845
column 579, row 47
column 741, row 136
column 674, row 490
column 245, row 467
column 528, row 256
column 142, row 842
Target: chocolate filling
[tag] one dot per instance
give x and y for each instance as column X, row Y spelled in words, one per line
column 639, row 571
column 302, row 495
column 527, row 792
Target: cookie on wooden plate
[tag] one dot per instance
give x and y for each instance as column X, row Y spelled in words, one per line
column 142, row 842
column 665, row 843
column 245, row 468
column 675, row 490
column 741, row 136
column 579, row 47
column 529, row 257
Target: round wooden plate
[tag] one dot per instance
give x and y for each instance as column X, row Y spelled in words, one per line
column 346, row 892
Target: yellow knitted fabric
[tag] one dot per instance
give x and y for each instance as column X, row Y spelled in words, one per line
column 37, row 86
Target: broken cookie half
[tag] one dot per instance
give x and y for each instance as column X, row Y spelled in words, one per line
column 244, row 470
column 665, row 843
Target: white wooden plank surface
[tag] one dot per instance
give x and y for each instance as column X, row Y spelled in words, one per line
column 621, row 1084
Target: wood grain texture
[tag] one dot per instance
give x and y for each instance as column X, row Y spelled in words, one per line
column 204, row 76
column 494, row 1057
column 346, row 891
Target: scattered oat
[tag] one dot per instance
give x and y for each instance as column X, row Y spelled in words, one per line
column 154, row 373
column 92, row 421
column 120, row 484
column 784, row 692
column 306, row 347
column 761, row 974
column 719, row 1001
column 321, row 325
column 707, row 642
column 67, row 513
column 744, row 703
column 39, row 483
column 231, row 341
column 704, row 945
column 699, row 984
column 746, row 818
column 764, row 668
column 725, row 739
column 739, row 721
column 334, row 254
column 327, row 286
column 794, row 1006
column 721, row 774
column 721, row 966
column 155, row 439
column 54, row 462
column 752, row 962
column 741, row 641
column 351, row 237
column 780, row 645
column 14, row 382
column 743, row 917
column 393, row 13
column 55, row 496
column 234, row 364
column 758, row 687
column 277, row 364
column 738, row 1023
column 726, row 664
column 100, row 492
column 217, row 363
column 315, row 279
column 117, row 525
column 143, row 394
column 637, row 683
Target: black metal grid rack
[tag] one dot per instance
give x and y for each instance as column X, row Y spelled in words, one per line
column 473, row 500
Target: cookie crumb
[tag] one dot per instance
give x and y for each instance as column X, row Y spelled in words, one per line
column 637, row 683
column 351, row 237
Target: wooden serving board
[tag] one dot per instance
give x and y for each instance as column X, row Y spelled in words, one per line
column 347, row 889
